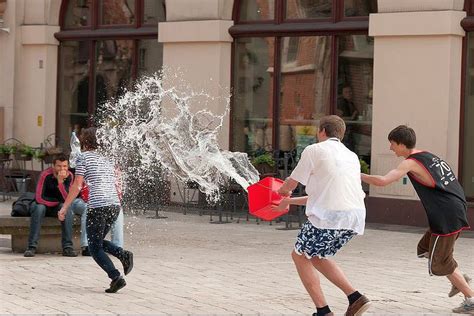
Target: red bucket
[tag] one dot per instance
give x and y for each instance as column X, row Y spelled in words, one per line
column 262, row 195
column 84, row 193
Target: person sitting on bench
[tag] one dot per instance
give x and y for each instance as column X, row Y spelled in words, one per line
column 51, row 191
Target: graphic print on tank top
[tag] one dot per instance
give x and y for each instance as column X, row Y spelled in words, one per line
column 443, row 199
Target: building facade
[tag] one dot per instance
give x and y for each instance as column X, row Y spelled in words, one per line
column 377, row 64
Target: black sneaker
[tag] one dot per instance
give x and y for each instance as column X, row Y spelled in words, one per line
column 30, row 252
column 69, row 252
column 127, row 262
column 116, row 285
column 85, row 252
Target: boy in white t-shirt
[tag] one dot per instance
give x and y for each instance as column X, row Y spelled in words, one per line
column 335, row 209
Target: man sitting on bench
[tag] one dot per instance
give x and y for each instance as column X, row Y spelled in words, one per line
column 51, row 191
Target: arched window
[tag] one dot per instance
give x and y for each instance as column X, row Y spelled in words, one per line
column 104, row 46
column 294, row 62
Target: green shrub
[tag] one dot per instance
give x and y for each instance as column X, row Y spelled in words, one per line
column 262, row 159
column 364, row 167
column 6, row 149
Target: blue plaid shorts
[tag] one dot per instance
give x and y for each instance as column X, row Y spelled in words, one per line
column 321, row 242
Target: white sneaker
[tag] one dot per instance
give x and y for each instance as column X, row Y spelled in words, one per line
column 466, row 307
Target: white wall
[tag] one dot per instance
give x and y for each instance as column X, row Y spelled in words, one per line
column 417, row 81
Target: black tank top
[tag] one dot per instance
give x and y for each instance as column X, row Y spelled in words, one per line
column 443, row 199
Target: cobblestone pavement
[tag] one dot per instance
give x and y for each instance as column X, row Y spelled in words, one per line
column 185, row 265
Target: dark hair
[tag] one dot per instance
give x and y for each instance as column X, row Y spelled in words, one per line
column 60, row 157
column 89, row 139
column 403, row 135
column 333, row 125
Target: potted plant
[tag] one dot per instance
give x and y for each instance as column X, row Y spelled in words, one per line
column 5, row 151
column 364, row 168
column 39, row 154
column 264, row 163
column 24, row 152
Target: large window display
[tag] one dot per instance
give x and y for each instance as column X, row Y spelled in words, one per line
column 252, row 112
column 305, row 83
column 290, row 72
column 73, row 85
column 92, row 69
column 354, row 91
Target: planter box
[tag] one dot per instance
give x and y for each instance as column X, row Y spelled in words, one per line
column 19, row 156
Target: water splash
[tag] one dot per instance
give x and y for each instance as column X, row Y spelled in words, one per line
column 183, row 143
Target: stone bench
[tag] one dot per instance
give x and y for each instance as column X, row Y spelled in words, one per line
column 50, row 234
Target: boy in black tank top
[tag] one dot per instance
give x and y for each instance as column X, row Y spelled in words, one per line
column 444, row 202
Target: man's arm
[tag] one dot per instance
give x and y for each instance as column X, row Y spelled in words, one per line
column 73, row 193
column 64, row 183
column 301, row 200
column 287, row 187
column 394, row 175
column 118, row 182
column 40, row 196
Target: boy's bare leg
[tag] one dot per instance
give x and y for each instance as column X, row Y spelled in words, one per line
column 310, row 278
column 457, row 279
column 333, row 273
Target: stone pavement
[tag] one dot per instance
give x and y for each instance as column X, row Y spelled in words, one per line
column 185, row 265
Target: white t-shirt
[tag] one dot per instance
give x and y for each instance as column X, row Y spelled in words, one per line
column 331, row 174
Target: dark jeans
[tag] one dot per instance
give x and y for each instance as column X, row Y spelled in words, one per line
column 99, row 222
column 38, row 212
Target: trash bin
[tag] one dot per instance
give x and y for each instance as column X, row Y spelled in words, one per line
column 22, row 184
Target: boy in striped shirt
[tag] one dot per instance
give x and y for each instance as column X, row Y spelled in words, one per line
column 103, row 207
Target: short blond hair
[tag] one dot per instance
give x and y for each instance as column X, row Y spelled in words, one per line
column 333, row 125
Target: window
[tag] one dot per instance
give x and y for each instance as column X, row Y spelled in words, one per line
column 257, row 10
column 78, row 14
column 354, row 91
column 305, row 63
column 117, row 12
column 253, row 108
column 304, row 92
column 105, row 45
column 73, row 85
column 153, row 12
column 308, row 9
column 359, row 7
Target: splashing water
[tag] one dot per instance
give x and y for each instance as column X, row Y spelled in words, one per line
column 182, row 142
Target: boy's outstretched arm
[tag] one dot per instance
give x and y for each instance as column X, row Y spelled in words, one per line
column 74, row 190
column 393, row 175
